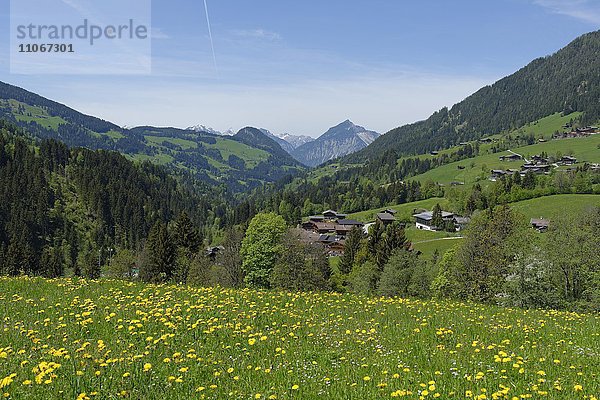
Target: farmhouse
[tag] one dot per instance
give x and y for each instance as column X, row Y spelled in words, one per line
column 461, row 222
column 213, row 252
column 511, row 157
column 536, row 168
column 386, row 217
column 333, row 243
column 577, row 133
column 538, row 159
column 567, row 160
column 540, row 224
column 332, row 215
column 499, row 173
column 424, row 220
column 344, row 226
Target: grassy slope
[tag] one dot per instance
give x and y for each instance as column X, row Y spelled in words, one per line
column 149, row 342
column 250, row 155
column 478, row 168
column 545, row 127
column 427, row 242
column 227, row 147
column 554, row 206
column 184, row 144
column 33, row 114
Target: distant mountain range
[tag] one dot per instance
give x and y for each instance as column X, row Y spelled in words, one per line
column 287, row 141
column 343, row 139
column 241, row 162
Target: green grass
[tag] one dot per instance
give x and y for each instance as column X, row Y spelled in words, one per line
column 478, row 168
column 405, row 211
column 114, row 135
column 34, row 114
column 427, row 242
column 546, row 126
column 558, row 205
column 250, row 155
column 183, row 143
column 218, row 164
column 111, row 340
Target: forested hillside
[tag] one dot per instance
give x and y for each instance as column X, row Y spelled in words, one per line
column 566, row 81
column 71, row 208
column 239, row 163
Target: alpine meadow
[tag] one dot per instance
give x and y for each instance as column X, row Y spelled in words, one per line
column 145, row 255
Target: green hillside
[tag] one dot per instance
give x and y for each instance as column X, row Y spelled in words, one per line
column 241, row 162
column 478, row 168
column 564, row 82
column 427, row 242
column 558, row 205
column 546, row 126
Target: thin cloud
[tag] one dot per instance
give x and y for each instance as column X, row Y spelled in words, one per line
column 583, row 10
column 158, row 33
column 260, row 34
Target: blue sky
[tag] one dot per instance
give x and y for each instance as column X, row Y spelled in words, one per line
column 303, row 66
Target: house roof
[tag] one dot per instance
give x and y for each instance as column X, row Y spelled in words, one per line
column 386, row 217
column 428, row 215
column 516, row 156
column 540, row 222
column 390, row 211
column 330, row 212
column 350, row 222
column 316, row 217
column 329, row 238
column 326, row 226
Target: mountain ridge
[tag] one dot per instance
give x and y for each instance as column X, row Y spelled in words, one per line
column 340, row 140
column 211, row 158
column 565, row 81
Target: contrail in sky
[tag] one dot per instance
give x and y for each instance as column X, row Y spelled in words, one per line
column 212, row 43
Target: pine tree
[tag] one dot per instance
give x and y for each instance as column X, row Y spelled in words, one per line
column 13, row 257
column 89, row 262
column 185, row 234
column 438, row 220
column 351, row 248
column 160, row 263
